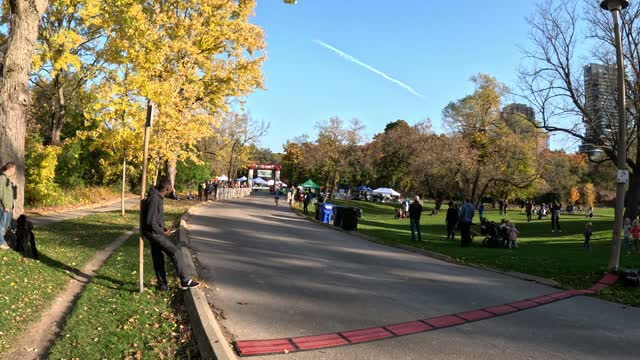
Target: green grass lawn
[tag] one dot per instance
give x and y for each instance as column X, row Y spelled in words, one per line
column 27, row 286
column 557, row 256
column 112, row 320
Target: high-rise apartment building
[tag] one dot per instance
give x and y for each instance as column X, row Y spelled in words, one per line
column 601, row 105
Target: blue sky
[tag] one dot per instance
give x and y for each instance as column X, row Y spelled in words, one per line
column 433, row 47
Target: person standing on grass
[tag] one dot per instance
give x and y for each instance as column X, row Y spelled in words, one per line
column 587, row 236
column 529, row 210
column 415, row 211
column 466, row 218
column 200, row 191
column 481, row 210
column 635, row 232
column 513, row 235
column 452, row 221
column 7, row 199
column 305, row 203
column 555, row 218
column 153, row 230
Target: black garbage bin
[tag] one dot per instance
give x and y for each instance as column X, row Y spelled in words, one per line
column 318, row 212
column 350, row 219
column 337, row 215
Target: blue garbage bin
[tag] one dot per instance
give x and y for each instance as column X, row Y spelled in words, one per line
column 327, row 213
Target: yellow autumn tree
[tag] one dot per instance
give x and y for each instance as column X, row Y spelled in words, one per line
column 589, row 192
column 190, row 58
column 574, row 195
column 119, row 133
column 67, row 57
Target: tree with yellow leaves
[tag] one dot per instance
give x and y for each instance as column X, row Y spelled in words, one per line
column 190, row 58
column 67, row 56
column 574, row 195
column 589, row 192
column 120, row 118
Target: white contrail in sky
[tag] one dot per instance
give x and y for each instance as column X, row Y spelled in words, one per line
column 368, row 67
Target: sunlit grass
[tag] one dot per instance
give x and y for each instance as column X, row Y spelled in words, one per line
column 557, row 256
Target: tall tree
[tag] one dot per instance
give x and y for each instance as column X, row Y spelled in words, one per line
column 500, row 157
column 67, row 56
column 23, row 17
column 552, row 80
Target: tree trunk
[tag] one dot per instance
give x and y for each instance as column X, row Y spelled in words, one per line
column 14, row 89
column 474, row 189
column 124, row 182
column 172, row 170
column 439, row 201
column 633, row 195
column 59, row 114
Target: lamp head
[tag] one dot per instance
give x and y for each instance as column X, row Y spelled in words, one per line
column 614, row 4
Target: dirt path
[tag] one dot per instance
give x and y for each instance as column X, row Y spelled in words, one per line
column 44, row 332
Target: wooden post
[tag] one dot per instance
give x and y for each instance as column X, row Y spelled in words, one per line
column 147, row 128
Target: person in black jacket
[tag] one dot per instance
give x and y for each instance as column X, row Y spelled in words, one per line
column 415, row 211
column 452, row 220
column 154, row 231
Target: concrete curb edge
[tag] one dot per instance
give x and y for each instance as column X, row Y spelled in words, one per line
column 537, row 279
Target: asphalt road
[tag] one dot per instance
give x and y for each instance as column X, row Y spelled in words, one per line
column 273, row 274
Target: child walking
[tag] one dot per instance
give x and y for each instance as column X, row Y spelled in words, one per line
column 587, row 236
column 513, row 235
column 635, row 232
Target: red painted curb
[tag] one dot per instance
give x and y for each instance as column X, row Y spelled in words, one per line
column 304, row 343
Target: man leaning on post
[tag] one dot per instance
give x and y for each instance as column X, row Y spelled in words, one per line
column 154, row 231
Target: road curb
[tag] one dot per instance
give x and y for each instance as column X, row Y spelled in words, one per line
column 449, row 259
column 208, row 333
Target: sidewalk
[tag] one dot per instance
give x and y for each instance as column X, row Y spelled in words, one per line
column 50, row 218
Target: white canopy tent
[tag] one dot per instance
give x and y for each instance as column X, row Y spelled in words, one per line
column 259, row 181
column 386, row 191
column 223, row 178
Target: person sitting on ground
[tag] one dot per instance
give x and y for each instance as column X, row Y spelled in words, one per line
column 154, row 231
column 398, row 214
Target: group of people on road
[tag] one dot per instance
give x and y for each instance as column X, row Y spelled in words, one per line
column 207, row 189
column 300, row 195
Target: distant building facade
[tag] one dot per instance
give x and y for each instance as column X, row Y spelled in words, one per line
column 600, row 84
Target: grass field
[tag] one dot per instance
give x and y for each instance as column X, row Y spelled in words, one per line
column 110, row 318
column 557, row 256
column 27, row 286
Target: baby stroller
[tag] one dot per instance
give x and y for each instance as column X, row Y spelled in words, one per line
column 494, row 236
